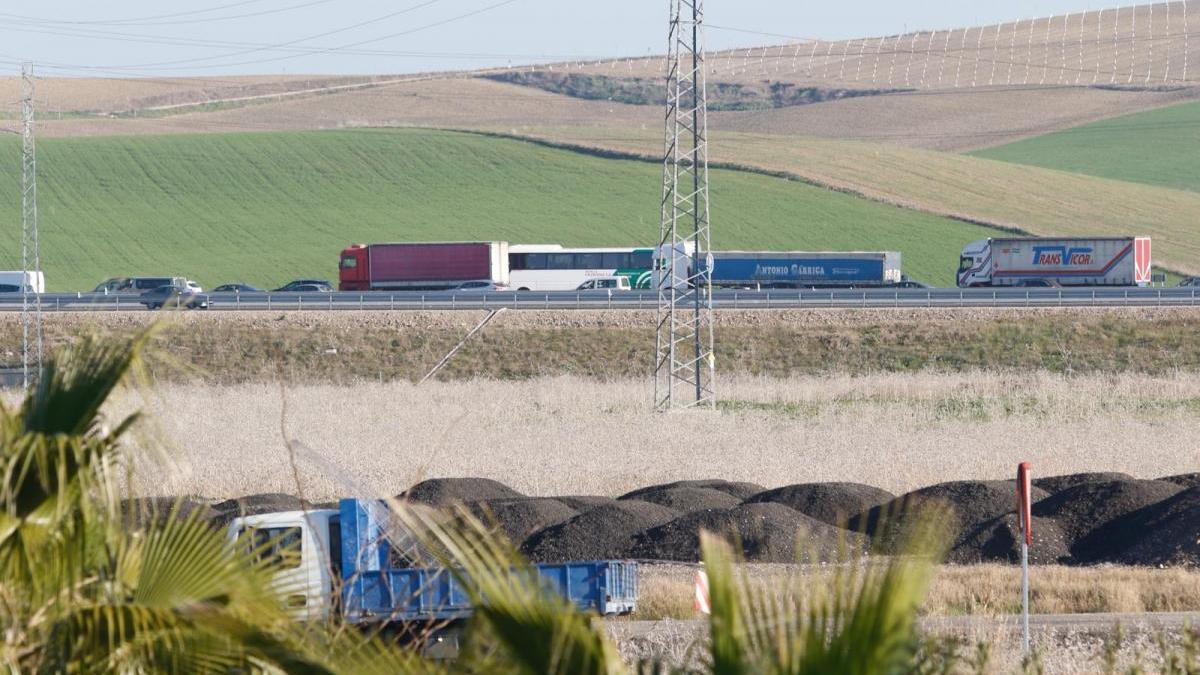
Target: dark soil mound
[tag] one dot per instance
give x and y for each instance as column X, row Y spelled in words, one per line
column 1084, row 508
column 442, row 492
column 767, row 532
column 586, row 502
column 1166, row 533
column 688, row 499
column 999, row 540
column 601, row 533
column 142, row 511
column 519, row 518
column 832, row 503
column 253, row 505
column 1053, row 484
column 966, row 506
column 742, row 491
column 1187, row 480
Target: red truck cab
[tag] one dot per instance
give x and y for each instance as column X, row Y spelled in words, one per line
column 354, row 271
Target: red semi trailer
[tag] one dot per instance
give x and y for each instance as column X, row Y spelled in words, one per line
column 423, row 267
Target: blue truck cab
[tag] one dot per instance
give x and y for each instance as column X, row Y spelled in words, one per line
column 348, row 560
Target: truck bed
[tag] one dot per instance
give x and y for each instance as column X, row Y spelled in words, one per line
column 374, row 592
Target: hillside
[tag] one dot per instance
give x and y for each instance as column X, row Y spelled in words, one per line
column 263, row 208
column 1002, row 194
column 1156, row 147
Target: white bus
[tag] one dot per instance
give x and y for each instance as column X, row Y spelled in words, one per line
column 19, row 282
column 551, row 267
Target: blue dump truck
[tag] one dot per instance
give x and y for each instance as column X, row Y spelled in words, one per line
column 358, row 561
column 800, row 269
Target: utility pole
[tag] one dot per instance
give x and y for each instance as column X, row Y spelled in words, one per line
column 684, row 365
column 31, row 299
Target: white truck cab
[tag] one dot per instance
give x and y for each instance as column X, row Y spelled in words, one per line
column 974, row 266
column 300, row 540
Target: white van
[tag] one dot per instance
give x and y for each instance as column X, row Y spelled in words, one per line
column 18, row 282
column 605, row 283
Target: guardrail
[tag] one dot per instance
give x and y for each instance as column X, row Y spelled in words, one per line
column 774, row 299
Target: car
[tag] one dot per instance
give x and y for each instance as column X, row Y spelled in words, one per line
column 236, row 288
column 173, row 296
column 1038, row 283
column 1190, row 282
column 605, row 283
column 291, row 287
column 478, row 287
column 910, row 283
column 194, row 287
column 309, row 288
column 117, row 285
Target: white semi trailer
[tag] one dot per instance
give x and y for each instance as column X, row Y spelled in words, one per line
column 1066, row 261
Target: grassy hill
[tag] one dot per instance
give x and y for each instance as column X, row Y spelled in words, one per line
column 1032, row 199
column 1156, row 147
column 264, row 208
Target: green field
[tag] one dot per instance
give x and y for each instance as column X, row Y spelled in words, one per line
column 265, row 208
column 1156, row 147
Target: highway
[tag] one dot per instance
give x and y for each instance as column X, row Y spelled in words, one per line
column 940, row 298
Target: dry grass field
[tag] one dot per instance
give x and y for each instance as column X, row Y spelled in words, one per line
column 1034, row 200
column 568, row 435
column 963, row 590
column 950, row 121
column 450, row 102
column 103, row 95
column 1142, row 45
column 347, row 348
column 967, row 88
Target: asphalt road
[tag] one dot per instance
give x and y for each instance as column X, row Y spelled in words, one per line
column 774, row 299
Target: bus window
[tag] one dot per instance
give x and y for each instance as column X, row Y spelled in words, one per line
column 535, row 261
column 560, row 261
column 642, row 259
column 615, row 261
column 589, row 261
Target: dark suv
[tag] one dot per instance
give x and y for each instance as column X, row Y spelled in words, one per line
column 303, row 286
column 173, row 296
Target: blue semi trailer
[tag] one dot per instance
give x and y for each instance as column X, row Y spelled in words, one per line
column 800, row 269
column 347, row 560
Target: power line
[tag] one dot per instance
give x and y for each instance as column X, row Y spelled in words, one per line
column 162, row 65
column 193, row 12
column 181, row 22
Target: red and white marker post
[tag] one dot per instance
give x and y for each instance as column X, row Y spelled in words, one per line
column 1025, row 516
column 703, row 605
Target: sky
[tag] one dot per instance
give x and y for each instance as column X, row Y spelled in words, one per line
column 206, row 37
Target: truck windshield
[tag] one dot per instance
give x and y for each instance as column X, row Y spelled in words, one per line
column 280, row 546
column 965, row 263
column 349, row 263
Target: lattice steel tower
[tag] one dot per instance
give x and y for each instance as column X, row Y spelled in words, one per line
column 31, row 300
column 684, row 366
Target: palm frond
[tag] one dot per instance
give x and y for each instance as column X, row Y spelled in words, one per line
column 862, row 621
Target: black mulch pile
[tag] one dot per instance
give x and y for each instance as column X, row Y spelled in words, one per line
column 766, row 532
column 832, row 503
column 687, row 499
column 447, row 491
column 601, row 533
column 519, row 518
column 742, row 491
